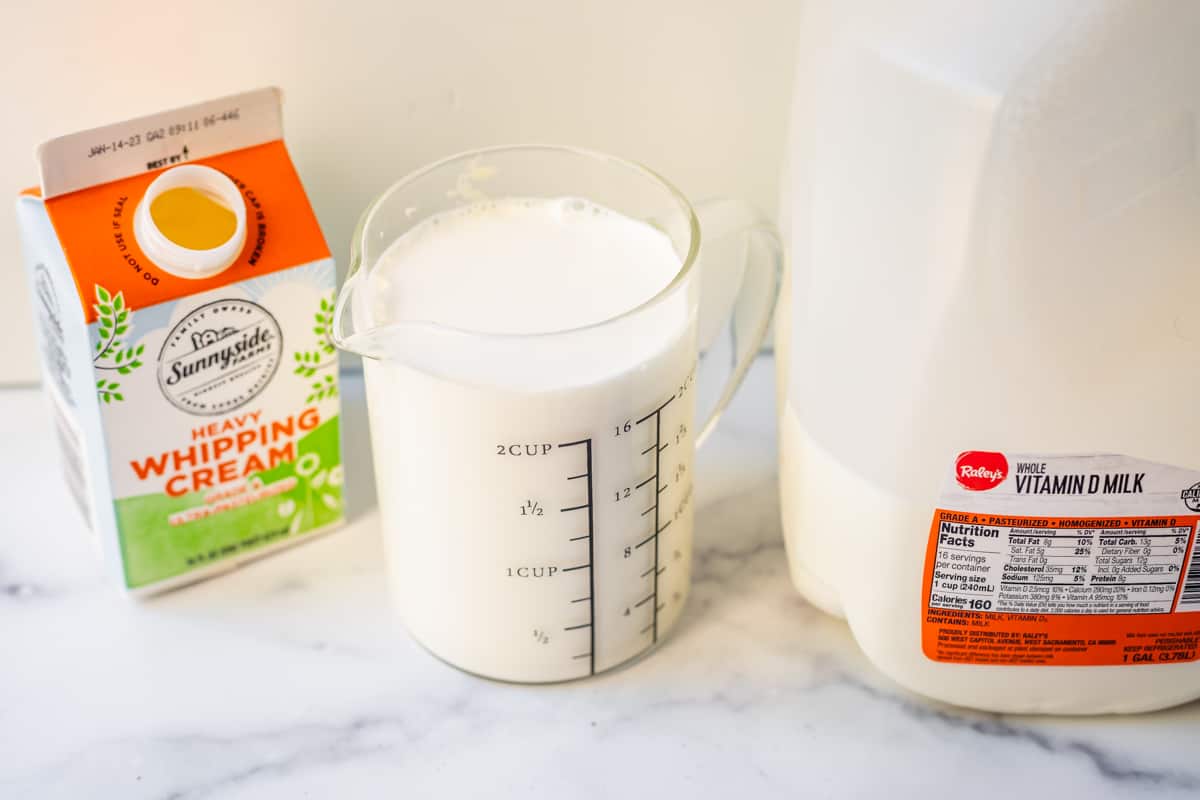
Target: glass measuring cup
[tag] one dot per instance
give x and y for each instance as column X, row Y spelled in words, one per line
column 535, row 488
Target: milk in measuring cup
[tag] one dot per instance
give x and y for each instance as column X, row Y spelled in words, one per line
column 537, row 510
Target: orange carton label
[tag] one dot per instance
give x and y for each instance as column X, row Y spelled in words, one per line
column 95, row 227
column 1063, row 561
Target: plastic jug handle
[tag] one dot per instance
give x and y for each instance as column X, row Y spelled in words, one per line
column 741, row 260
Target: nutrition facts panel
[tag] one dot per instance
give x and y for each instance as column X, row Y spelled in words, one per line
column 1062, row 560
column 1048, row 566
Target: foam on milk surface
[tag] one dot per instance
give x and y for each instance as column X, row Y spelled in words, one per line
column 522, row 266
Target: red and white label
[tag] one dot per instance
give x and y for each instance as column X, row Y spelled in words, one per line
column 1063, row 560
column 979, row 470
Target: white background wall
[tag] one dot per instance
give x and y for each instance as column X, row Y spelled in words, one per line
column 698, row 89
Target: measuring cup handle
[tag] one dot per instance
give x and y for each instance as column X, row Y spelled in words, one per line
column 741, row 259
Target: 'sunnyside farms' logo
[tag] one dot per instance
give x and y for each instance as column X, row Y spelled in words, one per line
column 219, row 357
column 979, row 470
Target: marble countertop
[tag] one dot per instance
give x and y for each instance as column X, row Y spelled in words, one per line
column 290, row 678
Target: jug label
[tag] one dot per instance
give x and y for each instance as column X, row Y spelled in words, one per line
column 1063, row 561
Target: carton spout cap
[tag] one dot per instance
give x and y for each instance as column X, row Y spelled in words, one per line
column 166, row 251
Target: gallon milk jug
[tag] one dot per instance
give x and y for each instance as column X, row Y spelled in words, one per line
column 989, row 346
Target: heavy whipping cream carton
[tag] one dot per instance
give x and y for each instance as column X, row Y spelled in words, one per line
column 184, row 297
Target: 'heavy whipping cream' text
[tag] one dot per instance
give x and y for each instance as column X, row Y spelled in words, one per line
column 236, row 447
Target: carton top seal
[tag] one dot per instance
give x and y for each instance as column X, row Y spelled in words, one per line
column 145, row 144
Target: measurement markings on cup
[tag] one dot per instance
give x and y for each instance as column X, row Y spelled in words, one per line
column 590, row 625
column 659, row 488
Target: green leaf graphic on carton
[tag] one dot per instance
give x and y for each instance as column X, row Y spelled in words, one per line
column 309, row 361
column 323, row 389
column 112, row 321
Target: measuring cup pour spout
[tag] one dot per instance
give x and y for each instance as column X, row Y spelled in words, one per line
column 572, row 553
column 367, row 325
column 352, row 326
column 346, row 334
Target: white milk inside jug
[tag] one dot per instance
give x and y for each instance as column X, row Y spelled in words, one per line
column 988, row 342
column 488, row 504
